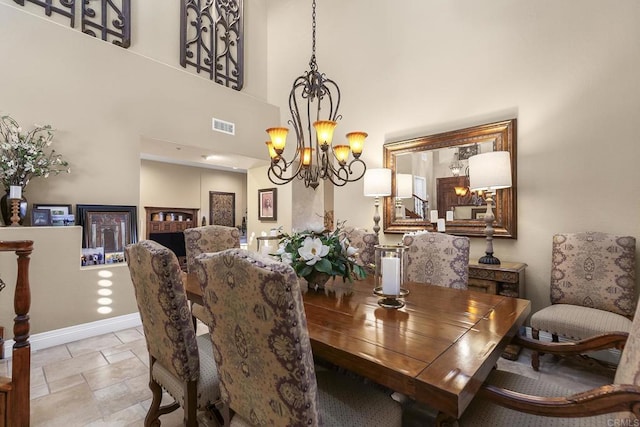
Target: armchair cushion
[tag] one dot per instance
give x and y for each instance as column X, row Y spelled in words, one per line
column 578, row 322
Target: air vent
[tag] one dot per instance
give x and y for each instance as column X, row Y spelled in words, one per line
column 224, row 127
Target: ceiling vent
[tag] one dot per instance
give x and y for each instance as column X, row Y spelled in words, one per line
column 224, row 127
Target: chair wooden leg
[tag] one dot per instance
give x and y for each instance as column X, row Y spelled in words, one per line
column 151, row 420
column 535, row 356
column 191, row 404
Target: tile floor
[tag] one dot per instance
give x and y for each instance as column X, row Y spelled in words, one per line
column 103, row 381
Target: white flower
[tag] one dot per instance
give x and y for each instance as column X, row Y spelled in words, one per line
column 316, row 227
column 312, row 250
column 287, row 258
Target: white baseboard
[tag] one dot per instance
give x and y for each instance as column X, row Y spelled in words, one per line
column 78, row 332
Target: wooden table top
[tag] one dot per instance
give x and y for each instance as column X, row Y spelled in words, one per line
column 438, row 349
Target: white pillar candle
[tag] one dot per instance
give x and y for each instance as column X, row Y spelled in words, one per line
column 441, row 226
column 449, row 215
column 434, row 216
column 15, row 192
column 390, row 275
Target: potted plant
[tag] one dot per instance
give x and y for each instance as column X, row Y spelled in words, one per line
column 317, row 255
column 25, row 155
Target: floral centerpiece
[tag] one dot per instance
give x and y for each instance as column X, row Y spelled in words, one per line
column 25, row 155
column 317, row 255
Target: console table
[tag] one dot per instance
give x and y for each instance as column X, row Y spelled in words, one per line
column 505, row 279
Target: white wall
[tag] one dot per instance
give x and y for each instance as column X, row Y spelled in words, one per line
column 566, row 70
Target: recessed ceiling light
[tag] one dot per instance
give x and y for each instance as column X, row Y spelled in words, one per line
column 212, row 157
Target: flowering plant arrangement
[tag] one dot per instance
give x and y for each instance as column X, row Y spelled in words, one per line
column 23, row 155
column 315, row 250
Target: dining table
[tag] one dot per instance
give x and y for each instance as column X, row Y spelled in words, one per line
column 438, row 349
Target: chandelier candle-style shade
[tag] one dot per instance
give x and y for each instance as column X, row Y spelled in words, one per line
column 377, row 183
column 314, row 157
column 490, row 172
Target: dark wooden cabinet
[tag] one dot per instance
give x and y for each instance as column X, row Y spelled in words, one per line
column 165, row 226
column 503, row 279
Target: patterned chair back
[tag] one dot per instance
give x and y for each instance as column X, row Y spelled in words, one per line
column 260, row 338
column 209, row 238
column 438, row 259
column 628, row 371
column 365, row 242
column 594, row 270
column 162, row 302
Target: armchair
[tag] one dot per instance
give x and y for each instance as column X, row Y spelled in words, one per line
column 179, row 362
column 437, row 259
column 517, row 400
column 263, row 351
column 366, row 243
column 208, row 238
column 593, row 279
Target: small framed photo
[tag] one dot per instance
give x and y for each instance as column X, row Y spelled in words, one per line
column 92, row 256
column 56, row 209
column 40, row 217
column 268, row 204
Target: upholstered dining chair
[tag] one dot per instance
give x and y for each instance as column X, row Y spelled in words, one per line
column 438, row 259
column 593, row 278
column 509, row 399
column 365, row 242
column 263, row 351
column 208, row 238
column 179, row 362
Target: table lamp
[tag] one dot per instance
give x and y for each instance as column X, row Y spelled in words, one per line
column 489, row 172
column 377, row 183
column 404, row 190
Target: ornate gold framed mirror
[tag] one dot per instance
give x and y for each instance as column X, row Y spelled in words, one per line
column 436, row 168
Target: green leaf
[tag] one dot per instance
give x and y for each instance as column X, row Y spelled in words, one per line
column 324, row 266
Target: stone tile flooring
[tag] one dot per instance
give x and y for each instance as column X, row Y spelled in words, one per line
column 103, row 381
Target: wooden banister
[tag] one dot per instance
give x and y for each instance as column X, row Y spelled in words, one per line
column 15, row 394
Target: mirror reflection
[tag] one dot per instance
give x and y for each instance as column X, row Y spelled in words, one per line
column 431, row 181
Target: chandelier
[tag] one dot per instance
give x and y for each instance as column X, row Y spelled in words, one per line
column 456, row 165
column 315, row 157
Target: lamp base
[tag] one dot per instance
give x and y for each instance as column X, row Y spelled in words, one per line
column 489, row 259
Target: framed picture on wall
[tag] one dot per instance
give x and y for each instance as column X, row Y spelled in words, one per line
column 222, row 208
column 268, row 204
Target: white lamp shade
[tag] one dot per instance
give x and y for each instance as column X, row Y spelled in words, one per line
column 490, row 171
column 377, row 182
column 404, row 185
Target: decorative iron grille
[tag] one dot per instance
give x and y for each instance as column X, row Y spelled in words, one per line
column 111, row 21
column 67, row 8
column 212, row 40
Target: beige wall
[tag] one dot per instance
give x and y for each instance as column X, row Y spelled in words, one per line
column 102, row 100
column 62, row 293
column 566, row 70
column 168, row 185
